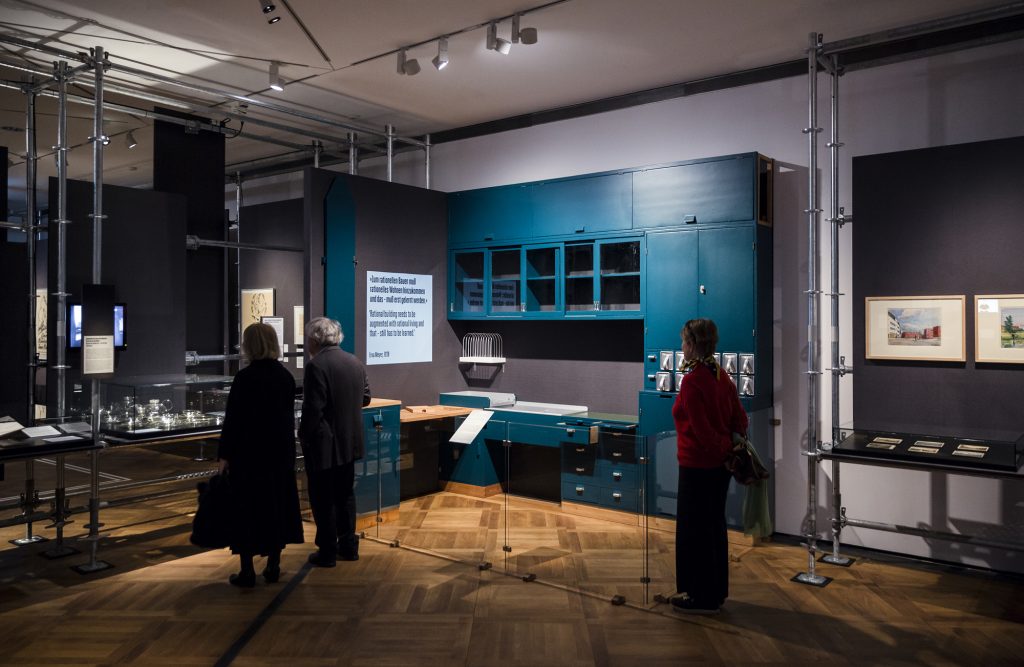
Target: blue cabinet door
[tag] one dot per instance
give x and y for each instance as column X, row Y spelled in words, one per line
column 490, row 214
column 720, row 190
column 542, row 281
column 726, row 276
column 466, row 283
column 583, row 205
column 671, row 287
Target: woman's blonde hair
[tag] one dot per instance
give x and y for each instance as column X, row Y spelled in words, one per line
column 259, row 341
column 702, row 334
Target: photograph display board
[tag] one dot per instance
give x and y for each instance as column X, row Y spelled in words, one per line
column 915, row 328
column 257, row 303
column 399, row 318
column 41, row 322
column 999, row 328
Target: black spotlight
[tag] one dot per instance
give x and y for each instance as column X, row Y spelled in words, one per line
column 267, row 7
column 273, row 19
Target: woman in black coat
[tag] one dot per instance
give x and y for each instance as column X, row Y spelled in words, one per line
column 257, row 448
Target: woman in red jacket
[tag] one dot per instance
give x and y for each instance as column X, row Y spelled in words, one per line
column 707, row 412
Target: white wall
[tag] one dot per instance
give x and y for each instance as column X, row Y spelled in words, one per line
column 954, row 98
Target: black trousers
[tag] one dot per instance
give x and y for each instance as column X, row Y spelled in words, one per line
column 333, row 501
column 702, row 546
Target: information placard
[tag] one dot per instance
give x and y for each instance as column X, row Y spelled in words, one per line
column 399, row 322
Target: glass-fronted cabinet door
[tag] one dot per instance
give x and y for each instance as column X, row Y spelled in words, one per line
column 543, row 287
column 506, row 282
column 466, row 295
column 580, row 296
column 619, row 277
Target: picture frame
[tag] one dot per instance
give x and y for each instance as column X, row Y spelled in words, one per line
column 999, row 328
column 257, row 303
column 915, row 328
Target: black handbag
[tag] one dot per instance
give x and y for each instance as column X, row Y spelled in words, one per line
column 744, row 464
column 211, row 526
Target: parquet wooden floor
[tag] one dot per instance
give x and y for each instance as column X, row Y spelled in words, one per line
column 168, row 603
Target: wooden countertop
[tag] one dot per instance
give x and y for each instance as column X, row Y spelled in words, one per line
column 381, row 402
column 416, row 413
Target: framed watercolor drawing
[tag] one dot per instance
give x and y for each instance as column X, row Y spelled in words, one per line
column 915, row 328
column 256, row 303
column 999, row 328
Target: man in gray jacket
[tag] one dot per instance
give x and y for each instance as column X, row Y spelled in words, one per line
column 331, row 432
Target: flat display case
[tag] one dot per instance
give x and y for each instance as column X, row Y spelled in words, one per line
column 930, row 451
column 153, row 406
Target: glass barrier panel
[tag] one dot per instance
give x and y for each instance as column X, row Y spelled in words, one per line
column 661, row 482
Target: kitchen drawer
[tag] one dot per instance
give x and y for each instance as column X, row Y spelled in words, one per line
column 580, row 434
column 578, row 460
column 494, row 430
column 620, row 499
column 581, row 493
column 617, row 476
column 618, row 448
column 534, row 434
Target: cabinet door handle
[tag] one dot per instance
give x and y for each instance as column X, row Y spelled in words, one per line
column 579, row 490
column 617, row 476
column 703, row 289
column 578, row 469
column 617, row 496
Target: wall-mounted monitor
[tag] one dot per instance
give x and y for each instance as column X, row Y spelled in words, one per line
column 75, row 326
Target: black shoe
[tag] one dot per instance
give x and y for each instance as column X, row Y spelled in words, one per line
column 685, row 605
column 319, row 559
column 271, row 575
column 243, row 579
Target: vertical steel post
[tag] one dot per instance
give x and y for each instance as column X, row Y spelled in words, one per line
column 318, row 148
column 238, row 261
column 813, row 323
column 426, row 160
column 837, row 367
column 31, row 499
column 353, row 154
column 99, row 142
column 61, row 328
column 391, row 150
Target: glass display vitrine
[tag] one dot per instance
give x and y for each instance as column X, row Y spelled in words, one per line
column 160, row 405
column 620, row 275
column 579, row 277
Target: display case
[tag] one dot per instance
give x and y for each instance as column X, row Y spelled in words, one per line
column 153, row 406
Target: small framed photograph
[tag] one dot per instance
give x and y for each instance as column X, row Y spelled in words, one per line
column 915, row 328
column 256, row 303
column 999, row 328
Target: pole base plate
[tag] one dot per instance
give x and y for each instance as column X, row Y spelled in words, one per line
column 89, row 568
column 841, row 561
column 812, row 580
column 23, row 541
column 59, row 552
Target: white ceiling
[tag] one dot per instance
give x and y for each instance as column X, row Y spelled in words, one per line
column 587, row 50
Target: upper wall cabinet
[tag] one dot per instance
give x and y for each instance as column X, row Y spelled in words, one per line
column 719, row 190
column 584, row 205
column 490, row 214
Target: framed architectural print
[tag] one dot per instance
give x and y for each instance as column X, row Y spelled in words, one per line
column 999, row 328
column 915, row 328
column 256, row 303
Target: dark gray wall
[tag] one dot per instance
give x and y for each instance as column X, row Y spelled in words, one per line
column 143, row 258
column 280, row 224
column 403, row 229
column 937, row 221
column 14, row 306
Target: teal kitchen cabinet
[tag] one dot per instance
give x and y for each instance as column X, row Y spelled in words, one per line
column 490, row 214
column 583, row 205
column 603, row 278
column 725, row 271
column 671, row 288
column 543, row 288
column 505, row 287
column 707, row 191
column 467, row 273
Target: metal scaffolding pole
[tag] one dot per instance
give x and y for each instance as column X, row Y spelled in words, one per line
column 60, row 331
column 353, row 154
column 426, row 160
column 30, row 500
column 238, row 261
column 391, row 151
column 813, row 323
column 838, row 364
column 99, row 141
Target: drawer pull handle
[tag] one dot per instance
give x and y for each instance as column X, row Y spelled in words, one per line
column 578, row 469
column 617, row 476
column 570, row 431
column 617, row 497
column 579, row 490
column 580, row 450
column 616, row 454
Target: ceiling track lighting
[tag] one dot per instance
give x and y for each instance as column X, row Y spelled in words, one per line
column 275, row 77
column 441, row 59
column 526, row 35
column 130, row 140
column 495, row 43
column 407, row 66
